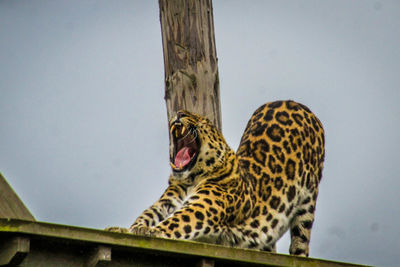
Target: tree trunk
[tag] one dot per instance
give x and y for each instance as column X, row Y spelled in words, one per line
column 190, row 58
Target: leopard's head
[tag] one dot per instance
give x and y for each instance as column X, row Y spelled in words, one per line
column 196, row 146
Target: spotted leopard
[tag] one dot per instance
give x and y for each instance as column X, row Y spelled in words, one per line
column 247, row 199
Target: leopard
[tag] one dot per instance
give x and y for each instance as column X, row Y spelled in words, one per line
column 247, row 199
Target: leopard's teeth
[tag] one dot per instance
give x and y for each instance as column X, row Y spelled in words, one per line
column 172, row 165
column 183, row 129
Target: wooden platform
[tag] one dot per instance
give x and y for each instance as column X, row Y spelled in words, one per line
column 30, row 243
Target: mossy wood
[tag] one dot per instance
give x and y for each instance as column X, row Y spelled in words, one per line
column 43, row 244
column 190, row 58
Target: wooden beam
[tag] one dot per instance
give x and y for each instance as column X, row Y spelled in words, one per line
column 11, row 206
column 100, row 257
column 14, row 250
column 205, row 263
column 61, row 245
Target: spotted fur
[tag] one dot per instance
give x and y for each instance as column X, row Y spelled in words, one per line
column 247, row 199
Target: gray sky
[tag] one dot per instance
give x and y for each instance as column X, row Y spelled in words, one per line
column 83, row 124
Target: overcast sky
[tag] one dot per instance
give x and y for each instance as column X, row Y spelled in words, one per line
column 83, row 123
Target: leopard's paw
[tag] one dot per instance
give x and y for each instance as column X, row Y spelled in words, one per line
column 117, row 229
column 228, row 238
column 145, row 230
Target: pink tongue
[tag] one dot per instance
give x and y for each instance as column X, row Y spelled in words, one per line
column 182, row 158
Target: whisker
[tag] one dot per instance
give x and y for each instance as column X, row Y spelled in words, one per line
column 188, row 132
column 194, row 138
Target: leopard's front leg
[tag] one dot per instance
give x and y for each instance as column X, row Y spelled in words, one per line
column 161, row 209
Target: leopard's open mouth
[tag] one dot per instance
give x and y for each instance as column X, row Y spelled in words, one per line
column 186, row 146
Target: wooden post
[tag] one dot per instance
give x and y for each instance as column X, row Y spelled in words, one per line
column 190, row 58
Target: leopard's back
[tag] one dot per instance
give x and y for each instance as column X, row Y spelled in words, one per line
column 281, row 153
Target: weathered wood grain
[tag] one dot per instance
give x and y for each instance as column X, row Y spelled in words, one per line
column 190, row 58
